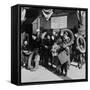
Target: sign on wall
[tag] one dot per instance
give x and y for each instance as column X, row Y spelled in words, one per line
column 59, row 22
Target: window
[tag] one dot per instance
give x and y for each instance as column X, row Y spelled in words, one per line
column 36, row 24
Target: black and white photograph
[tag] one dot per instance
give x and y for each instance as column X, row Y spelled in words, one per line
column 53, row 44
column 44, row 44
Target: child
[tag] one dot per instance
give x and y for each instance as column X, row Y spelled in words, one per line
column 64, row 58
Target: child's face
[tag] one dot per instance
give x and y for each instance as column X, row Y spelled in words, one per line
column 25, row 42
column 48, row 37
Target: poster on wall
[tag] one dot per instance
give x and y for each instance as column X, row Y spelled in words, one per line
column 59, row 22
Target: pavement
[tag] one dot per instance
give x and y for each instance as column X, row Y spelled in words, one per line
column 43, row 74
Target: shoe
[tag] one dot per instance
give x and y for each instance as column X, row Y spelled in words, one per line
column 65, row 74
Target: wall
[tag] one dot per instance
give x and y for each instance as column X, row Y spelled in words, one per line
column 71, row 22
column 44, row 23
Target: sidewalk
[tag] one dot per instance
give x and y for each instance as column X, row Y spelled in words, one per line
column 42, row 74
